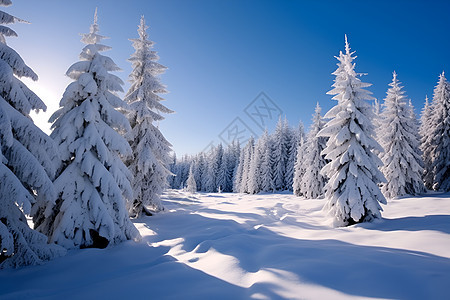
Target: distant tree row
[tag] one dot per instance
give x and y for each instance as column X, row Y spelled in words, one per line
column 266, row 165
column 104, row 162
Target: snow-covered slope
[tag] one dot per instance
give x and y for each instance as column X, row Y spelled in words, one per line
column 272, row 246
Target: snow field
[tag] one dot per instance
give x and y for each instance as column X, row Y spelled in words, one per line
column 265, row 246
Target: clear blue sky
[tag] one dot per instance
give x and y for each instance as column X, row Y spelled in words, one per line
column 222, row 54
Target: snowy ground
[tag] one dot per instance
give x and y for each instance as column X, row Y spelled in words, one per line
column 233, row 246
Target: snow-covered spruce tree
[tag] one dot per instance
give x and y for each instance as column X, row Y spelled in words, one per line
column 178, row 171
column 239, row 172
column 172, row 166
column 416, row 122
column 300, row 133
column 280, row 156
column 402, row 163
column 181, row 172
column 248, row 154
column 191, row 185
column 439, row 137
column 299, row 167
column 224, row 180
column 424, row 131
column 234, row 150
column 312, row 182
column 150, row 160
column 266, row 171
column 377, row 121
column 93, row 183
column 199, row 170
column 214, row 163
column 352, row 190
column 255, row 178
column 291, row 153
column 28, row 161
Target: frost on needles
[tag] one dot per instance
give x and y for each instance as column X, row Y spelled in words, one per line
column 352, row 190
column 93, row 183
column 27, row 161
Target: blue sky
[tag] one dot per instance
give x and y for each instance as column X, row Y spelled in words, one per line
column 223, row 54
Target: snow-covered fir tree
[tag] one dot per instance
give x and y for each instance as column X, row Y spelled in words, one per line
column 438, row 141
column 352, row 191
column 28, row 161
column 255, row 178
column 266, row 171
column 401, row 157
column 291, row 146
column 150, row 159
column 199, row 170
column 214, row 163
column 299, row 167
column 182, row 172
column 225, row 173
column 234, row 150
column 239, row 172
column 172, row 167
column 416, row 132
column 424, row 131
column 93, row 183
column 191, row 185
column 377, row 123
column 280, row 156
column 312, row 182
column 247, row 158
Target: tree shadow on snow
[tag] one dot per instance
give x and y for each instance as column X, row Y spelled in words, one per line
column 127, row 271
column 365, row 271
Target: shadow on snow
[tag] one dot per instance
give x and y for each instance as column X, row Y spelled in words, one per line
column 351, row 269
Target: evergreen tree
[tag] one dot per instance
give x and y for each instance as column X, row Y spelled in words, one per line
column 401, row 157
column 93, row 183
column 291, row 146
column 183, row 171
column 234, row 150
column 200, row 171
column 299, row 167
column 191, row 185
column 439, row 137
column 266, row 172
column 312, row 182
column 377, row 122
column 280, row 156
column 239, row 172
column 28, row 161
column 176, row 171
column 150, row 160
column 172, row 166
column 255, row 179
column 424, row 131
column 248, row 154
column 214, row 163
column 224, row 180
column 352, row 190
